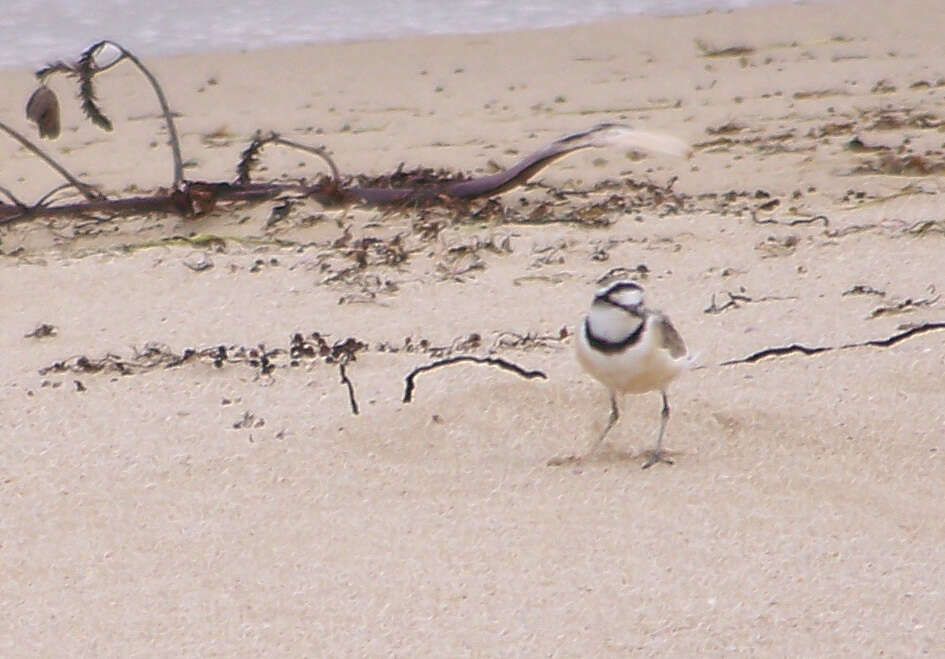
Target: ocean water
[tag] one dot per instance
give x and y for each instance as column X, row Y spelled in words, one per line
column 34, row 32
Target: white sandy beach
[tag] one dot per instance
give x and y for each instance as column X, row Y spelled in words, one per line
column 204, row 511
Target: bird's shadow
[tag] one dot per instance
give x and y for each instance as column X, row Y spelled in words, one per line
column 605, row 455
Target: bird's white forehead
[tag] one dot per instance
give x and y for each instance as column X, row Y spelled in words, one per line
column 622, row 293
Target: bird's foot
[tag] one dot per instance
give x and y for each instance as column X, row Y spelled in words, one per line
column 654, row 456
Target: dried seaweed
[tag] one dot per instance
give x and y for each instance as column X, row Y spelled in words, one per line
column 249, row 158
column 903, row 306
column 85, row 71
column 709, row 50
column 861, row 289
column 42, row 331
column 791, row 223
column 154, row 355
column 301, row 350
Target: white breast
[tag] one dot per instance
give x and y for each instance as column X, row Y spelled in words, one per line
column 643, row 366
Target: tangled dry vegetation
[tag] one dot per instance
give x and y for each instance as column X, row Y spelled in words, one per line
column 419, row 188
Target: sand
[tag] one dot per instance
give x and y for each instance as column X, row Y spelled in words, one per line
column 202, row 511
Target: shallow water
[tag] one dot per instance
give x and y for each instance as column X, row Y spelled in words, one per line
column 33, row 33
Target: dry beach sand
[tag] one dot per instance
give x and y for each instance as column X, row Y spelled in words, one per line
column 205, row 511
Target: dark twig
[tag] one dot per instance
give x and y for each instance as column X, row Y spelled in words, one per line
column 735, row 298
column 13, row 198
column 780, row 350
column 731, row 303
column 492, row 361
column 55, row 67
column 877, row 343
column 901, row 336
column 46, row 197
column 347, row 382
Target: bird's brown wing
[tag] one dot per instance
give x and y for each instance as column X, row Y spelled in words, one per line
column 672, row 341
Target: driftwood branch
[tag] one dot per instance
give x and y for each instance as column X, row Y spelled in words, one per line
column 601, row 135
column 409, row 384
column 195, row 198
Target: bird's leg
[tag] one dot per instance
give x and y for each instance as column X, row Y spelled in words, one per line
column 614, row 417
column 657, row 454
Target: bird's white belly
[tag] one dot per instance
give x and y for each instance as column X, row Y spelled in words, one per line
column 643, row 367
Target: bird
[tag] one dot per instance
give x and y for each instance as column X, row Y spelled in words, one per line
column 630, row 348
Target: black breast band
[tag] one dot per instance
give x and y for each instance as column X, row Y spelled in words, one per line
column 605, row 346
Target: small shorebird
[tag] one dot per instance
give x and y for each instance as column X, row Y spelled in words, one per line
column 630, row 349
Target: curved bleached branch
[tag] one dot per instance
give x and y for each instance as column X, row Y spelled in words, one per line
column 93, row 61
column 600, row 136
